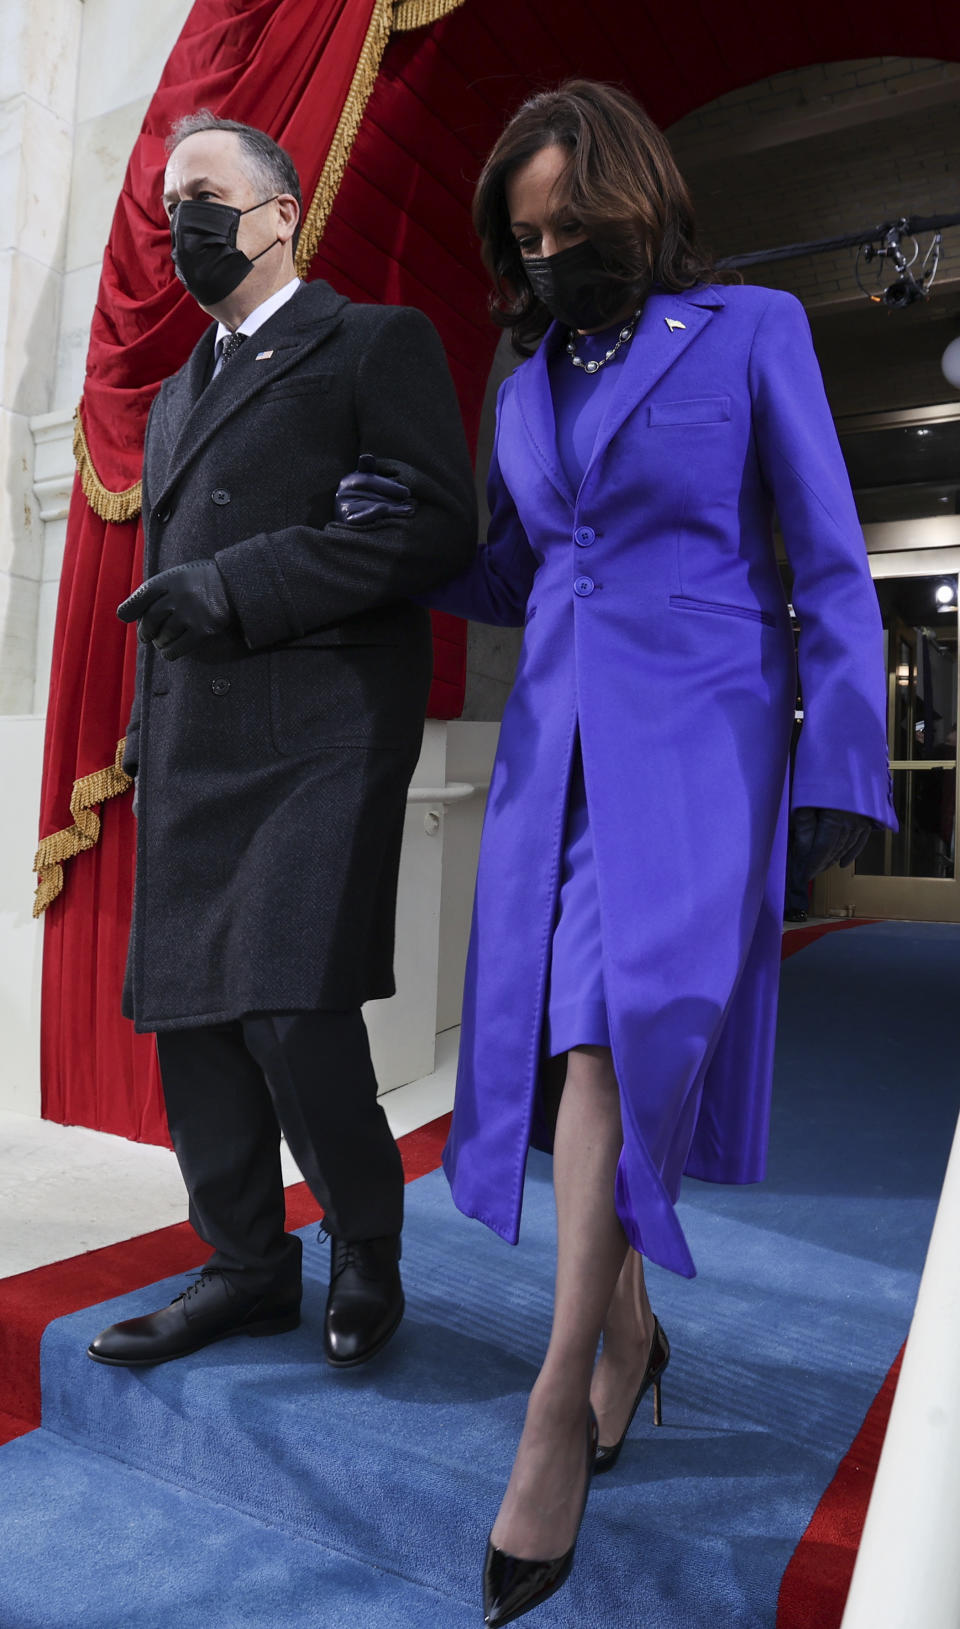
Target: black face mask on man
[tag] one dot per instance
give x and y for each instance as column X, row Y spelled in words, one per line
column 203, row 238
column 576, row 287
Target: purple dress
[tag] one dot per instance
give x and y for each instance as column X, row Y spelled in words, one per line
column 576, row 1012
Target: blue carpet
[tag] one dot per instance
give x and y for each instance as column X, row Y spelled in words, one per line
column 252, row 1486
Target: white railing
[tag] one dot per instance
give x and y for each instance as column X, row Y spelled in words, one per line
column 907, row 1574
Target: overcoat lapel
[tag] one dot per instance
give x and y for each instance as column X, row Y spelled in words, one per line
column 535, row 401
column 670, row 322
column 194, row 411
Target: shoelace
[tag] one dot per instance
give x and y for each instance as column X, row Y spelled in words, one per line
column 197, row 1285
column 353, row 1255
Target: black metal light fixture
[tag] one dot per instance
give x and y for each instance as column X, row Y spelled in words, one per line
column 882, row 244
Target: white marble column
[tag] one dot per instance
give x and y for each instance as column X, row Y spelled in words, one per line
column 39, row 43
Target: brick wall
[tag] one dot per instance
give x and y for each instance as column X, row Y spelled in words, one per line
column 822, row 151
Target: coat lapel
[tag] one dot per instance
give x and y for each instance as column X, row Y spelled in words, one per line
column 670, row 322
column 177, row 398
column 195, row 412
column 535, row 401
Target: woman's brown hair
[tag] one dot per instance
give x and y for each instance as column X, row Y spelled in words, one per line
column 623, row 185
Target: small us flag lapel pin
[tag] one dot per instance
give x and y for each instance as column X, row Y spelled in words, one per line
column 673, row 323
column 264, row 356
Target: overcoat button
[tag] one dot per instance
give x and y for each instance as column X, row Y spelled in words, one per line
column 162, row 515
column 219, row 686
column 584, row 536
column 221, row 495
column 583, row 586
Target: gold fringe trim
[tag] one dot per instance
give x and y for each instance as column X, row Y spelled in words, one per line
column 387, row 15
column 83, row 834
column 111, row 506
column 361, row 86
column 420, row 13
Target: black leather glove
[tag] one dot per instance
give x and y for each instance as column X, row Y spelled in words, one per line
column 180, row 607
column 366, row 498
column 824, row 837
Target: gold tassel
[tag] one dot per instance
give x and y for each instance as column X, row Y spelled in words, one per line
column 110, row 506
column 420, row 13
column 83, row 834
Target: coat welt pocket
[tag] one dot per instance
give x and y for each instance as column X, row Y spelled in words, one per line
column 752, row 613
column 701, row 410
column 296, row 384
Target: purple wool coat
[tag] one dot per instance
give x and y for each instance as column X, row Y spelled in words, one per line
column 655, row 623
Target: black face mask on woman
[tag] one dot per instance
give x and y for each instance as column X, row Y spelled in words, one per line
column 203, row 237
column 576, row 287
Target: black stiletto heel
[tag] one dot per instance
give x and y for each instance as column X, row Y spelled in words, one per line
column 606, row 1458
column 512, row 1586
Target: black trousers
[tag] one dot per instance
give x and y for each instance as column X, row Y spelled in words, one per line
column 231, row 1088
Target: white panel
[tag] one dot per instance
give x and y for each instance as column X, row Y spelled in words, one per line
column 39, row 42
column 907, row 1574
column 135, row 37
column 21, row 754
column 101, row 154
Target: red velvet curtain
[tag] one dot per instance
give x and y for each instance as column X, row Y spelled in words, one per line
column 285, row 66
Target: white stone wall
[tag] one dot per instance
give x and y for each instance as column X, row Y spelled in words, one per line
column 39, row 46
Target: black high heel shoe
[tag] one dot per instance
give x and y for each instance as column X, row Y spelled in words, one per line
column 512, row 1586
column 606, row 1458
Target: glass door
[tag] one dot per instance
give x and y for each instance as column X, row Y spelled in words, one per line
column 912, row 874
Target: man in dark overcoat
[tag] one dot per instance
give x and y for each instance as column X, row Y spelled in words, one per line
column 282, row 682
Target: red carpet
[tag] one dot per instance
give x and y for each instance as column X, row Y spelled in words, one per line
column 798, row 938
column 30, row 1301
column 815, row 1585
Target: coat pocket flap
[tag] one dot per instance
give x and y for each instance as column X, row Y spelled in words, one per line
column 699, row 410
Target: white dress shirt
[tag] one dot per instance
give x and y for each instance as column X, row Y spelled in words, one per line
column 255, row 320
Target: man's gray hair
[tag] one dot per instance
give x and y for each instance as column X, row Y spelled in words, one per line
column 267, row 163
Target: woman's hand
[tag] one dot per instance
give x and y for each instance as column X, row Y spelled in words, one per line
column 366, row 498
column 825, row 837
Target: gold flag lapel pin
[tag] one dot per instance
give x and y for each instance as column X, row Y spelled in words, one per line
column 263, row 356
column 674, row 323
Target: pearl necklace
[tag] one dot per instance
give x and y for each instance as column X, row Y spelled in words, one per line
column 625, row 333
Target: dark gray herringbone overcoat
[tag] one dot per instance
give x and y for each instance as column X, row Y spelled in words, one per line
column 274, row 762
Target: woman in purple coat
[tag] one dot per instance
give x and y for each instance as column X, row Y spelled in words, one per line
column 622, row 977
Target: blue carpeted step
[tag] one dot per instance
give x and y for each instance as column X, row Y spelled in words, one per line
column 92, row 1544
column 805, row 1291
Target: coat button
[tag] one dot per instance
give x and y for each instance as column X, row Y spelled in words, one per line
column 584, row 536
column 219, row 686
column 220, row 495
column 583, row 586
column 162, row 515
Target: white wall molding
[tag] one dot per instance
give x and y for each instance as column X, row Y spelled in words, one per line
column 53, row 462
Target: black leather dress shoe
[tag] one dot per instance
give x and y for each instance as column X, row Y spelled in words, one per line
column 365, row 1303
column 210, row 1310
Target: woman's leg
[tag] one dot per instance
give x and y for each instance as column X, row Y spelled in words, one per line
column 538, row 1517
column 627, row 1335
